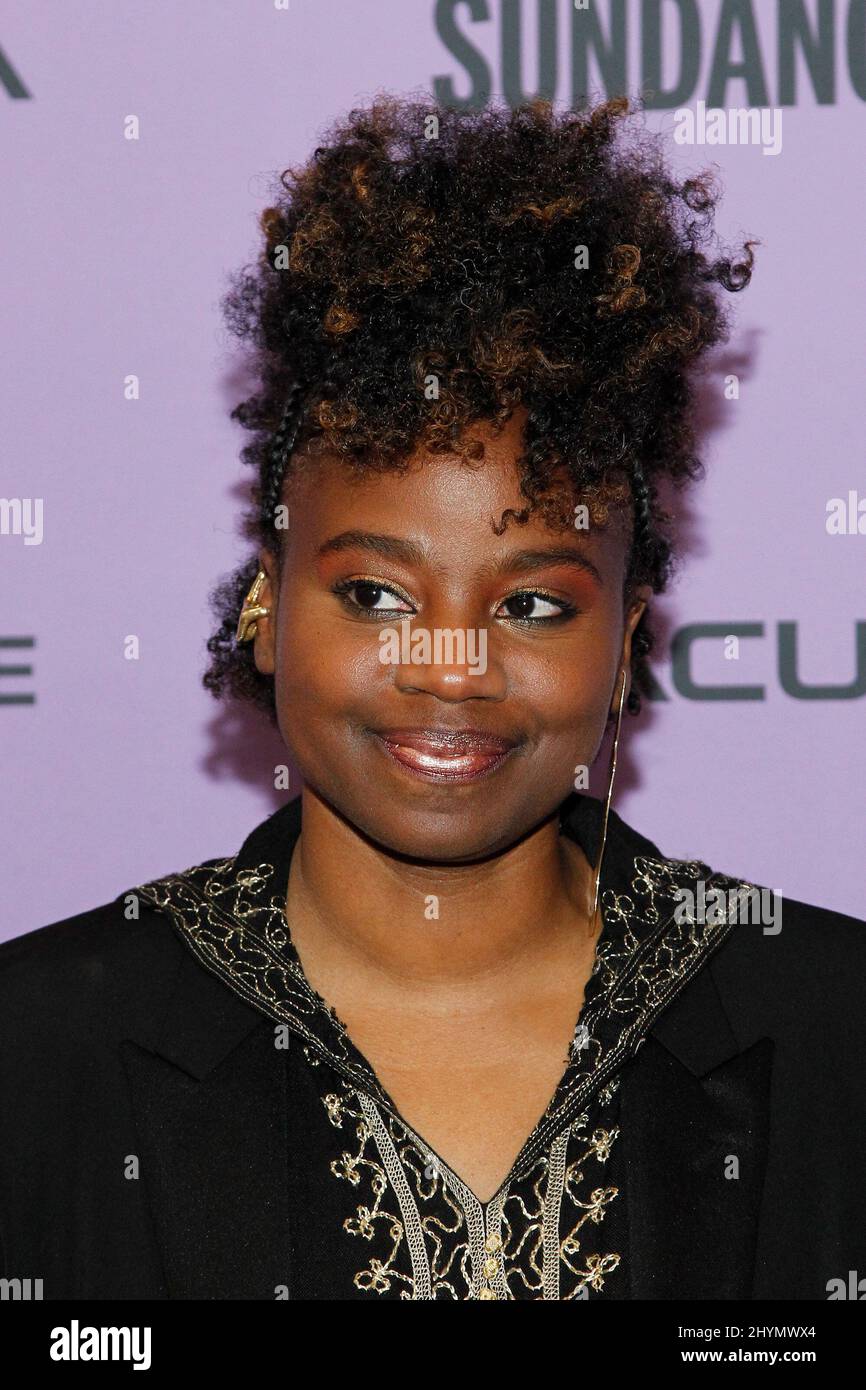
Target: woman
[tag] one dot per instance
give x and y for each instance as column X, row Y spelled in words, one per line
column 446, row 1026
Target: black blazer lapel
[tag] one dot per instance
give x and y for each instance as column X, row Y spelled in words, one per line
column 692, row 1103
column 208, row 1090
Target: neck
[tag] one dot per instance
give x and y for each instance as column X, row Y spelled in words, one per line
column 352, row 906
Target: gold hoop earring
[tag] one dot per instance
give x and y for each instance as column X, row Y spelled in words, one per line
column 251, row 611
column 608, row 797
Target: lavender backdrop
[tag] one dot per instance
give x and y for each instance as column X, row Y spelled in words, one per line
column 116, row 255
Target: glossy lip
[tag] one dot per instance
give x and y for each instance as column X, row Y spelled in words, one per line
column 445, row 755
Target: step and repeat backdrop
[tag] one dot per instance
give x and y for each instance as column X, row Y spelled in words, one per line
column 139, row 144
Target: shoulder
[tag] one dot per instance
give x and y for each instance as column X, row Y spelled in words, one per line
column 794, row 967
column 786, row 967
column 88, row 973
column 775, row 939
column 787, row 934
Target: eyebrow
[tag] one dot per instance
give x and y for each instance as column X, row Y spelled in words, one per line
column 391, row 547
column 397, row 548
column 523, row 560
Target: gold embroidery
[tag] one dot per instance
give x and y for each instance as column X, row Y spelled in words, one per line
column 237, row 928
column 444, row 1243
column 525, row 1243
column 380, row 1273
column 516, row 1257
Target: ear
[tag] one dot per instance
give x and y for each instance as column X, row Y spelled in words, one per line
column 633, row 616
column 264, row 640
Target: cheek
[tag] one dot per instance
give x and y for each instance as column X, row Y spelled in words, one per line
column 558, row 689
column 568, row 698
column 568, row 680
column 326, row 667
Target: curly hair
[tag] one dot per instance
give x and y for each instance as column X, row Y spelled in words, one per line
column 429, row 268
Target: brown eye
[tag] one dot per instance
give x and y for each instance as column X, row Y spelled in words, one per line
column 370, row 597
column 520, row 606
column 535, row 607
column 367, row 595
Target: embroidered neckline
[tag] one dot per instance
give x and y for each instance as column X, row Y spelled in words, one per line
column 443, row 1242
column 235, row 924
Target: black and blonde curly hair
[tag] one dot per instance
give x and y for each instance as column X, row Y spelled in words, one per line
column 426, row 245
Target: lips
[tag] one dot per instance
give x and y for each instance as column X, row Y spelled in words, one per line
column 446, row 755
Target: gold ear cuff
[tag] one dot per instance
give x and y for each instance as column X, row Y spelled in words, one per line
column 251, row 611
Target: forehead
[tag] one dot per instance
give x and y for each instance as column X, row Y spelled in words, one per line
column 447, row 504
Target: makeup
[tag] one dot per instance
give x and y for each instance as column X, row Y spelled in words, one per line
column 445, row 755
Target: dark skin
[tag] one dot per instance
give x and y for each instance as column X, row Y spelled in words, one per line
column 467, row 1017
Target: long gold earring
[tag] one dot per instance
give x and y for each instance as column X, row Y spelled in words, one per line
column 608, row 797
column 251, row 611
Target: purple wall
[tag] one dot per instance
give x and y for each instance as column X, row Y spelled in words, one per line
column 116, row 255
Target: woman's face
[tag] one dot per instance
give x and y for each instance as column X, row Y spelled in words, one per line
column 438, row 684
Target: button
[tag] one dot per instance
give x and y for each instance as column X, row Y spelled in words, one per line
column 487, row 1294
column 491, row 1268
column 493, row 1243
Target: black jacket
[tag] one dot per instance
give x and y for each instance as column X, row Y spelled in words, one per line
column 118, row 1048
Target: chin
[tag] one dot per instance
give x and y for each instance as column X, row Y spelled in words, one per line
column 436, row 844
column 447, row 833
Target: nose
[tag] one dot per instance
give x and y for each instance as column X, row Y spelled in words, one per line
column 448, row 659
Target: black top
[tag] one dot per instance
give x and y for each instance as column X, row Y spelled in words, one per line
column 184, row 1117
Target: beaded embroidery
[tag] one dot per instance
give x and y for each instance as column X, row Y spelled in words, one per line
column 431, row 1235
column 444, row 1243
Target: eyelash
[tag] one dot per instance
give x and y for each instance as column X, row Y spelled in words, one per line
column 344, row 586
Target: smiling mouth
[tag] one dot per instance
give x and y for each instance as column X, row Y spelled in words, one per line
column 445, row 755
